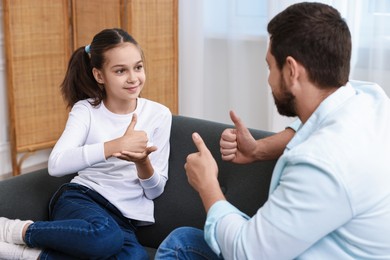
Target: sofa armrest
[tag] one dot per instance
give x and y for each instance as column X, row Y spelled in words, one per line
column 27, row 196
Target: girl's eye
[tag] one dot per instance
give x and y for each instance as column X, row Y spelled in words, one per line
column 120, row 71
column 139, row 67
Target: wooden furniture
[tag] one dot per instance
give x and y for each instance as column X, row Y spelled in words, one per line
column 40, row 36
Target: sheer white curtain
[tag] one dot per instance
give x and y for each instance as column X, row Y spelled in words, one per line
column 222, row 46
column 222, row 60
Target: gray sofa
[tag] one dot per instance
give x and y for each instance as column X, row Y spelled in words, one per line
column 245, row 186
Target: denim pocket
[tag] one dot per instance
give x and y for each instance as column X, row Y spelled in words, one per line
column 65, row 187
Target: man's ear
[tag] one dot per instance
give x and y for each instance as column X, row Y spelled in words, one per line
column 291, row 69
column 97, row 74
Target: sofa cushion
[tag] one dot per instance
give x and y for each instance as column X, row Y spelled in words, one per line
column 246, row 186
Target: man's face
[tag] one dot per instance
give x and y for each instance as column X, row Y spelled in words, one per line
column 284, row 99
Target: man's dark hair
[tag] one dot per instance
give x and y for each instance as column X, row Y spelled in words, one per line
column 317, row 37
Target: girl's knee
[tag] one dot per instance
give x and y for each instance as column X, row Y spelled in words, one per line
column 104, row 243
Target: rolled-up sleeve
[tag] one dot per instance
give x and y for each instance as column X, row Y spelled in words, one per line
column 219, row 210
column 296, row 214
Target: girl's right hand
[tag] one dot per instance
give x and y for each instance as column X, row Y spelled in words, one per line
column 134, row 141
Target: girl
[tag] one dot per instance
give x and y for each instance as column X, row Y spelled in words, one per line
column 119, row 145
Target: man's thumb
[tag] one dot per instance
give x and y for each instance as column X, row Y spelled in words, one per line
column 199, row 143
column 236, row 120
column 132, row 123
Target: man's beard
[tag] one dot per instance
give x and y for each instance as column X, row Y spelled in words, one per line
column 285, row 103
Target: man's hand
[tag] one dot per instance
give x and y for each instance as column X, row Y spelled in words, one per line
column 202, row 173
column 237, row 145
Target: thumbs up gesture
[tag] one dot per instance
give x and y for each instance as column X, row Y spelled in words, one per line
column 202, row 173
column 132, row 146
column 237, row 145
column 201, row 168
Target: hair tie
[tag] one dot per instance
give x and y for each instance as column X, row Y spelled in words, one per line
column 87, row 48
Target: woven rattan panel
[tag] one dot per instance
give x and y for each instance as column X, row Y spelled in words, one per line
column 90, row 17
column 154, row 25
column 37, row 50
column 40, row 36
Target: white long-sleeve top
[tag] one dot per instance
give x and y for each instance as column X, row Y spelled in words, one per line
column 81, row 149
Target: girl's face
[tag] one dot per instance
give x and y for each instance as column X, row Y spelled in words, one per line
column 123, row 77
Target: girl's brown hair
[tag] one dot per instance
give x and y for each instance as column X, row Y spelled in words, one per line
column 79, row 82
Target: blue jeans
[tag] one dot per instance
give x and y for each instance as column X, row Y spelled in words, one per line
column 83, row 224
column 185, row 243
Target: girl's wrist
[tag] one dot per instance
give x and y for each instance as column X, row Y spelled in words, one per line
column 144, row 168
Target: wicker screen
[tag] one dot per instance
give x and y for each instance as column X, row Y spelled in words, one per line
column 37, row 50
column 154, row 25
column 40, row 36
column 90, row 17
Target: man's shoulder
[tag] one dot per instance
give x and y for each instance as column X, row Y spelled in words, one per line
column 369, row 88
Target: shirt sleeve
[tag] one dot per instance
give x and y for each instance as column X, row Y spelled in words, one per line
column 154, row 186
column 71, row 154
column 295, row 125
column 309, row 203
column 217, row 211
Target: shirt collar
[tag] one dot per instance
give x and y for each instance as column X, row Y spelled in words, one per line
column 327, row 106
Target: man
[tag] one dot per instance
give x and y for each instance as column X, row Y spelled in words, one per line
column 329, row 196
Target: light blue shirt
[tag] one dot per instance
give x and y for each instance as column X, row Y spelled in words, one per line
column 330, row 191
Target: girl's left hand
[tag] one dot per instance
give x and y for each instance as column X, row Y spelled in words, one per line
column 135, row 156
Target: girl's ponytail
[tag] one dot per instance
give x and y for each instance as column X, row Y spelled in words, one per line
column 79, row 82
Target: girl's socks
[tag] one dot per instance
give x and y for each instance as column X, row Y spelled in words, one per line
column 18, row 252
column 11, row 230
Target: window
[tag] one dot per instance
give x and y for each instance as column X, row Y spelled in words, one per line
column 239, row 17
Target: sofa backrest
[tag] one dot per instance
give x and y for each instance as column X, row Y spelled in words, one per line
column 245, row 186
column 27, row 196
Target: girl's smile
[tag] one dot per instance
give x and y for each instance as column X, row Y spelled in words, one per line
column 132, row 90
column 123, row 77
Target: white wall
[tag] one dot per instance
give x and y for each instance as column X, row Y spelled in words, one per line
column 5, row 166
column 247, row 62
